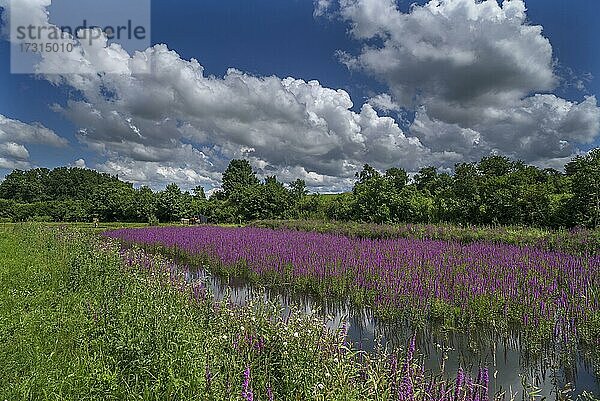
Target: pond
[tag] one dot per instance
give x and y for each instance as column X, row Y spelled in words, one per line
column 512, row 369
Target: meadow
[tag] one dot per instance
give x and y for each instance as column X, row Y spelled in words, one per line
column 548, row 296
column 81, row 318
column 576, row 240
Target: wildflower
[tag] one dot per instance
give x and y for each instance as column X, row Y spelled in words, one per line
column 460, row 380
column 246, row 390
column 485, row 381
column 411, row 350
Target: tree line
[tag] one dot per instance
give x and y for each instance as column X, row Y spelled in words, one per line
column 495, row 190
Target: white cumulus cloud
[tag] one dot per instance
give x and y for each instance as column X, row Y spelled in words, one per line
column 477, row 73
column 15, row 134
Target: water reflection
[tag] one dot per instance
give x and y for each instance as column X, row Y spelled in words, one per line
column 512, row 369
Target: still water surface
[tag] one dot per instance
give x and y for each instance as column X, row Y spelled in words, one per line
column 512, row 370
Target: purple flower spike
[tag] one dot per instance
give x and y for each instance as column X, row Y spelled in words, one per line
column 246, row 390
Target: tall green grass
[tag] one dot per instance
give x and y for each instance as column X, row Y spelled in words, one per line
column 81, row 320
column 76, row 323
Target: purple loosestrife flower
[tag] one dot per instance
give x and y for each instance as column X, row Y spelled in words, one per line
column 407, row 392
column 469, row 388
column 394, row 374
column 406, row 368
column 246, row 390
column 485, row 382
column 259, row 344
column 403, row 274
column 411, row 349
column 460, row 380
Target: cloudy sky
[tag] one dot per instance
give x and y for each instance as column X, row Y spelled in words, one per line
column 309, row 90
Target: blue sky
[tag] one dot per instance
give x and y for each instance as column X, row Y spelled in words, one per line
column 284, row 38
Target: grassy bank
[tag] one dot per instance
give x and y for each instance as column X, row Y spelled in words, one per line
column 81, row 320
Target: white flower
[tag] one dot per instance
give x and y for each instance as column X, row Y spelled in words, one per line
column 327, row 375
column 296, row 334
column 321, row 386
column 285, row 343
column 336, row 360
column 242, row 328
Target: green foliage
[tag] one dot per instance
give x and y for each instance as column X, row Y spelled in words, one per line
column 199, row 193
column 75, row 195
column 298, row 189
column 341, row 207
column 238, row 176
column 244, row 198
column 494, row 191
column 63, row 183
column 7, row 208
column 64, row 211
column 373, row 195
column 25, row 186
column 223, row 211
column 170, row 203
column 397, row 177
column 584, row 172
column 145, row 206
column 78, row 323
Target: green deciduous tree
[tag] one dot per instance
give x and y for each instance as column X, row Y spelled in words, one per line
column 496, row 190
column 237, row 176
column 584, row 172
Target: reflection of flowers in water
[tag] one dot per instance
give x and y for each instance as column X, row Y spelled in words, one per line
column 480, row 282
column 179, row 276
